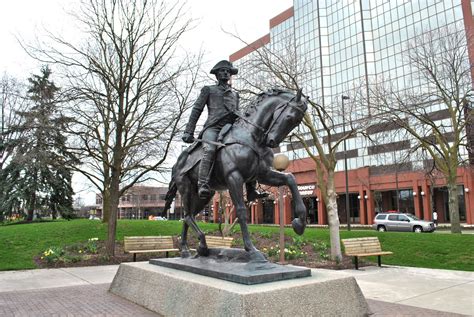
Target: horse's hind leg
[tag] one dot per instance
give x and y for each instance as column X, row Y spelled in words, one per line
column 235, row 185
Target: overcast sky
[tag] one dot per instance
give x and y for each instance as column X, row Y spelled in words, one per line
column 28, row 18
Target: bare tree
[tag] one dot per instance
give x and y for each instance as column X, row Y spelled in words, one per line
column 129, row 85
column 12, row 101
column 436, row 110
column 284, row 64
column 322, row 141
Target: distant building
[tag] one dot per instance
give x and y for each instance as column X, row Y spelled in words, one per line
column 349, row 42
column 140, row 202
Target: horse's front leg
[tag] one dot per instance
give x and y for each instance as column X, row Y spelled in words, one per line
column 185, row 253
column 192, row 203
column 235, row 185
column 274, row 178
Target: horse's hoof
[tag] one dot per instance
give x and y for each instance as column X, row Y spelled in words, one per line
column 203, row 251
column 298, row 226
column 257, row 257
column 185, row 254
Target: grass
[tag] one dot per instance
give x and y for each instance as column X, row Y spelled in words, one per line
column 20, row 243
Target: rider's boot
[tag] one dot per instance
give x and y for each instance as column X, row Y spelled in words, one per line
column 253, row 193
column 204, row 191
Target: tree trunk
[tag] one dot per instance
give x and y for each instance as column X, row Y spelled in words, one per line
column 116, row 171
column 106, row 205
column 114, row 197
column 333, row 218
column 31, row 207
column 29, row 215
column 112, row 221
column 453, row 203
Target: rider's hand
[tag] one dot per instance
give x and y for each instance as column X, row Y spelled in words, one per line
column 187, row 137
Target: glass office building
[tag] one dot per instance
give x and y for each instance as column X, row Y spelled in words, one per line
column 347, row 44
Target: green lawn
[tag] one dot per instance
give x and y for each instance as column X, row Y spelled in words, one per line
column 20, row 243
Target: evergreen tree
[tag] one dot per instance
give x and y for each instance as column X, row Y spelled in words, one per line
column 39, row 173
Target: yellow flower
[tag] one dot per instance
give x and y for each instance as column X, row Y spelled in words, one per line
column 80, row 251
column 42, row 258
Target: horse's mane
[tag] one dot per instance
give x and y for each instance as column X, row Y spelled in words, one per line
column 264, row 95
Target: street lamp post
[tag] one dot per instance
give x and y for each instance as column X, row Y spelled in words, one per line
column 280, row 163
column 348, row 213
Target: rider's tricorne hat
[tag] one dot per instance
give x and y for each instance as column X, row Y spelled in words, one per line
column 224, row 64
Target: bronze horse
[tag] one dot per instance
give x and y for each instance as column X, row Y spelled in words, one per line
column 246, row 156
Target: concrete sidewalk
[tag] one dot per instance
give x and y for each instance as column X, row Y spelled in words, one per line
column 442, row 290
column 391, row 291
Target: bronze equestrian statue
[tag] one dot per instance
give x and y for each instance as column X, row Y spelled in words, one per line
column 242, row 154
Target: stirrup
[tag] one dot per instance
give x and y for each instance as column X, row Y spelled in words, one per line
column 204, row 191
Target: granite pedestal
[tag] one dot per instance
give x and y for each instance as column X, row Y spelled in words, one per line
column 172, row 292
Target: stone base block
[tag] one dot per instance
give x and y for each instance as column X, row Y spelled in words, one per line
column 171, row 292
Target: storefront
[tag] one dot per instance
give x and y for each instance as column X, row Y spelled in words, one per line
column 310, row 200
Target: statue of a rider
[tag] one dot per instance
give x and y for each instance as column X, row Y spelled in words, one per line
column 222, row 104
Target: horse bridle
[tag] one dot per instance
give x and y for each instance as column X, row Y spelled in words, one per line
column 281, row 105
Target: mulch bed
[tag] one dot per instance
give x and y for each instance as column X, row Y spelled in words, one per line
column 315, row 257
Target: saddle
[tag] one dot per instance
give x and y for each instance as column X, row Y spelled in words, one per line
column 189, row 161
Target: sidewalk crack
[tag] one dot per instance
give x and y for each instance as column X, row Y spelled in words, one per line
column 76, row 276
column 435, row 291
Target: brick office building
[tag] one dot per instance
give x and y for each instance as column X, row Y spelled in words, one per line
column 140, row 202
column 350, row 41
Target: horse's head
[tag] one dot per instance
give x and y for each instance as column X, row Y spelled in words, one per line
column 285, row 118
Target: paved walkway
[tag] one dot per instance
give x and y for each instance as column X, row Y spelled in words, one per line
column 442, row 290
column 390, row 291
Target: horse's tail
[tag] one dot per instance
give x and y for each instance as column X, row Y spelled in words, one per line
column 170, row 195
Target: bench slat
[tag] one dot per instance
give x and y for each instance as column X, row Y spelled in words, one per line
column 148, row 242
column 363, row 250
column 149, row 238
column 153, row 251
column 372, row 254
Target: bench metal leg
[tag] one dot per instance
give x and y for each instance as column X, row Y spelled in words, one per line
column 134, row 257
column 166, row 253
column 379, row 260
column 356, row 262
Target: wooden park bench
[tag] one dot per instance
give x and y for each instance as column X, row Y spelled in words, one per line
column 149, row 244
column 219, row 242
column 360, row 247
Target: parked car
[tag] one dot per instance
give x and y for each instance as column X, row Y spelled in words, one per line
column 159, row 218
column 390, row 221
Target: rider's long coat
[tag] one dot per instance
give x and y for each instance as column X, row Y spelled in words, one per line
column 221, row 102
